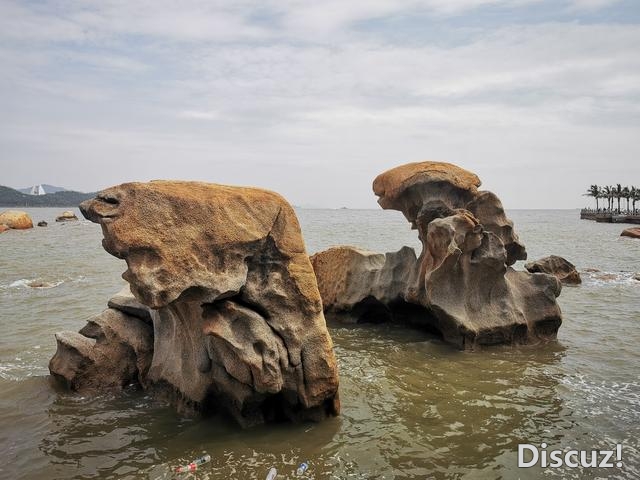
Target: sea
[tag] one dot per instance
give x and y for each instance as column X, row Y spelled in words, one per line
column 413, row 407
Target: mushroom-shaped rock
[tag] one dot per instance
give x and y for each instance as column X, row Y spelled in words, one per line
column 633, row 232
column 223, row 275
column 462, row 284
column 16, row 219
column 67, row 216
column 559, row 267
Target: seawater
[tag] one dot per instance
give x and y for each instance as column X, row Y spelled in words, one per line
column 412, row 406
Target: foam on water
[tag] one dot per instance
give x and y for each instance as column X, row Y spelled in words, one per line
column 603, row 279
column 40, row 282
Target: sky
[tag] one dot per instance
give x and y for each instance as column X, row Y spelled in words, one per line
column 314, row 99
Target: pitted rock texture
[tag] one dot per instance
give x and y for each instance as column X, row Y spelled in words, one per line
column 462, row 285
column 223, row 276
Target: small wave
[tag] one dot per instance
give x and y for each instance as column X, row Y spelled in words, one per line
column 597, row 277
column 18, row 370
column 34, row 283
column 40, row 283
column 616, row 398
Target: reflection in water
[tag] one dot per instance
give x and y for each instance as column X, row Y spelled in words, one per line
column 418, row 408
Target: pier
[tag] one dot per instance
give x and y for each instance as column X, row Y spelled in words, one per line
column 610, row 196
column 605, row 216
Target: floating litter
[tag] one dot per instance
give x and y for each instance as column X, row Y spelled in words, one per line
column 302, row 468
column 194, row 465
column 272, row 474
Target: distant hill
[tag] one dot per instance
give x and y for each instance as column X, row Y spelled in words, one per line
column 47, row 188
column 67, row 198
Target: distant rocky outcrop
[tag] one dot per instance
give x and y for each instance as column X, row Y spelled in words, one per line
column 633, row 232
column 462, row 284
column 562, row 269
column 16, row 219
column 67, row 216
column 225, row 293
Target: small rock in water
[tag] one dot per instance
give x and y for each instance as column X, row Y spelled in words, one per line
column 42, row 223
column 557, row 266
column 67, row 216
column 16, row 219
column 633, row 232
column 39, row 284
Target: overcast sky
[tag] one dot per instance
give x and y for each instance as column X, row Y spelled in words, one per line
column 314, row 99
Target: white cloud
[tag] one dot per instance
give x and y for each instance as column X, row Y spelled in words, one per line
column 198, row 115
column 241, row 92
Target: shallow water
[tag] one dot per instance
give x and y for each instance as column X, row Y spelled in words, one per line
column 412, row 407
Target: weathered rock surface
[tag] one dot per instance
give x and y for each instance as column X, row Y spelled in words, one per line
column 67, row 216
column 16, row 219
column 222, row 275
column 562, row 269
column 633, row 232
column 42, row 223
column 462, row 284
column 112, row 351
column 4, row 228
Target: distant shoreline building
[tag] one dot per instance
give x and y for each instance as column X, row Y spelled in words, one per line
column 37, row 190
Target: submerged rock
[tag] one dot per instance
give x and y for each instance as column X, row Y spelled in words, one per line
column 67, row 216
column 633, row 232
column 42, row 223
column 559, row 267
column 462, row 284
column 16, row 219
column 222, row 275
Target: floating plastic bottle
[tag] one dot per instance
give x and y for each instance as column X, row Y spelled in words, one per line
column 302, row 468
column 194, row 465
column 272, row 474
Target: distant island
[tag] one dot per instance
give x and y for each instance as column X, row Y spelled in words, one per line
column 10, row 197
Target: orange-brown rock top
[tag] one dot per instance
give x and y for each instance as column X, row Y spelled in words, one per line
column 393, row 183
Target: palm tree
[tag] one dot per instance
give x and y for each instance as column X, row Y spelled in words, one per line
column 635, row 195
column 606, row 193
column 594, row 191
column 626, row 194
column 617, row 193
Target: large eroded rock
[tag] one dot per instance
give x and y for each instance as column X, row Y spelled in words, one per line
column 222, row 275
column 462, row 285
